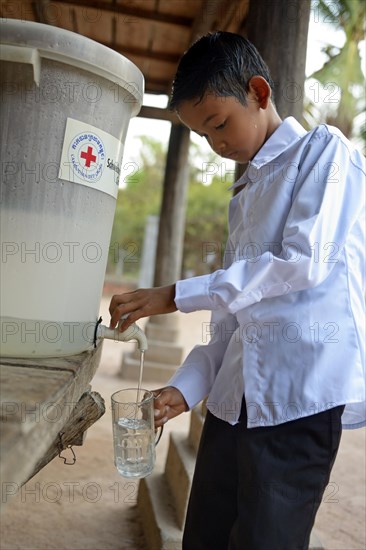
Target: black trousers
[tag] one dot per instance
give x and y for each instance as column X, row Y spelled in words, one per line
column 260, row 488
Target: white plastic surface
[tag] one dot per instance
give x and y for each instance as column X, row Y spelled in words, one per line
column 73, row 49
column 55, row 231
column 132, row 333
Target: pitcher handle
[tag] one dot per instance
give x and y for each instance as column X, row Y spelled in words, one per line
column 158, row 435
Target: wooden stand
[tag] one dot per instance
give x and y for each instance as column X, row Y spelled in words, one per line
column 46, row 406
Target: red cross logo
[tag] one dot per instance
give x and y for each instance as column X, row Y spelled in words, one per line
column 88, row 156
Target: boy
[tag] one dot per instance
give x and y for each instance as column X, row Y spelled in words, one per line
column 286, row 358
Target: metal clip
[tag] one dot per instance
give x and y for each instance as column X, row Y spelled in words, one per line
column 62, row 448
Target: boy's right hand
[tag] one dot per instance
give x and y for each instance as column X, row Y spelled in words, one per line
column 139, row 303
column 168, row 403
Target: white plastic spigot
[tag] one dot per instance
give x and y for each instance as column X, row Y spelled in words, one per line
column 132, row 333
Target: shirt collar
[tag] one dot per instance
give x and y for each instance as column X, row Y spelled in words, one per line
column 282, row 138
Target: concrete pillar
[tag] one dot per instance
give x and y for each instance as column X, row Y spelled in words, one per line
column 148, row 256
column 172, row 215
column 165, row 355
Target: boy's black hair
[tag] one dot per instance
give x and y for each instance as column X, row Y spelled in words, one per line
column 221, row 63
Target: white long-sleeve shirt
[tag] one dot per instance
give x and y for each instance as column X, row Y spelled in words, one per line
column 288, row 309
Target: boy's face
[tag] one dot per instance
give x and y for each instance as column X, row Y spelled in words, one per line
column 232, row 130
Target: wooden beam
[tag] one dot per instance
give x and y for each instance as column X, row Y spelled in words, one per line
column 157, row 113
column 40, row 11
column 206, row 17
column 74, row 20
column 157, row 85
column 279, row 30
column 141, row 52
column 133, row 12
column 231, row 12
column 114, row 33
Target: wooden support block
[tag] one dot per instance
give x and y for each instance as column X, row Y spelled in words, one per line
column 88, row 410
column 38, row 395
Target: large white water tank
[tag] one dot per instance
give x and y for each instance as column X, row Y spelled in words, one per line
column 66, row 106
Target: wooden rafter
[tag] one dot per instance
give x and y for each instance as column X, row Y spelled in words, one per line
column 138, row 13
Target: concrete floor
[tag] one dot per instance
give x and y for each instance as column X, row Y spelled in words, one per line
column 89, row 506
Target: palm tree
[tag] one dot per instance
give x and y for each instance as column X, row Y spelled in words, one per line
column 342, row 71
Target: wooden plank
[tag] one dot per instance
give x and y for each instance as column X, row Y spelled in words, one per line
column 70, row 363
column 37, row 398
column 160, row 114
column 188, row 8
column 160, row 55
column 26, row 392
column 132, row 11
column 17, row 10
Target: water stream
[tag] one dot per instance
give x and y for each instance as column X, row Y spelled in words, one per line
column 142, row 358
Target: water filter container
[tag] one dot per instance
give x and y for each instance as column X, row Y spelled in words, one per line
column 66, row 106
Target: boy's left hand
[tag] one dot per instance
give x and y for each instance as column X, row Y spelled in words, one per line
column 168, row 403
column 141, row 303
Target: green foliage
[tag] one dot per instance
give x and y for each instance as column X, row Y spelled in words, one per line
column 342, row 69
column 140, row 198
column 206, row 226
column 206, row 215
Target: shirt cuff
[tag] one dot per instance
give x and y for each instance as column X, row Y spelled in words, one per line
column 193, row 294
column 190, row 383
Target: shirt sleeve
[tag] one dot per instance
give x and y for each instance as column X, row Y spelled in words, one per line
column 328, row 198
column 196, row 376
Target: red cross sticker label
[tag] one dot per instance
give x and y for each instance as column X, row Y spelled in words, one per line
column 90, row 156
